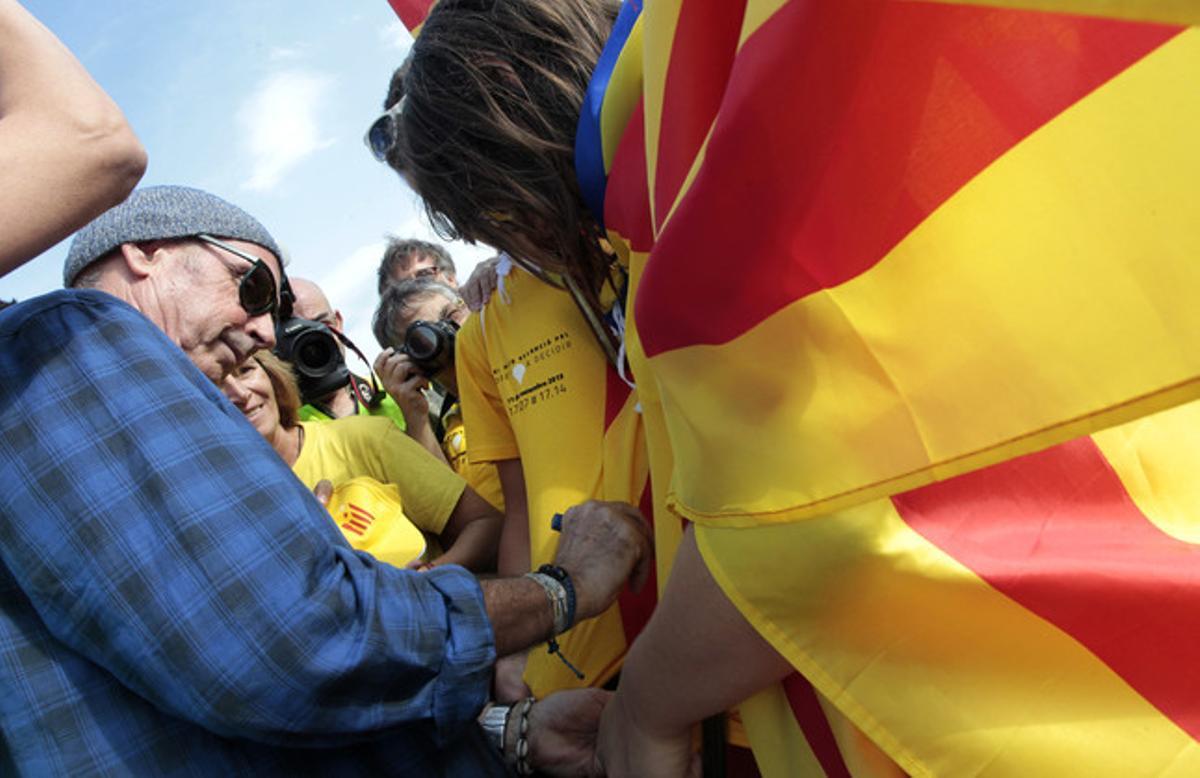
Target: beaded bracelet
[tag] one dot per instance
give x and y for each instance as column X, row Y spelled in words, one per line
column 521, row 749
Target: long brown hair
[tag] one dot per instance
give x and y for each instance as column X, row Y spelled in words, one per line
column 492, row 97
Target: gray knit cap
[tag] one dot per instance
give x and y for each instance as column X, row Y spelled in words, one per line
column 160, row 213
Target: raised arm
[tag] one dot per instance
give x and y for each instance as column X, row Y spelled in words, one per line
column 66, row 151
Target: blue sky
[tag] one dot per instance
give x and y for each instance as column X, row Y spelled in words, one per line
column 265, row 104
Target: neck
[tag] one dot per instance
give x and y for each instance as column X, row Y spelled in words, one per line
column 341, row 403
column 288, row 442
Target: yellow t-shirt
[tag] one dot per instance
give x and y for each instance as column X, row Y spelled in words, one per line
column 535, row 385
column 355, row 447
column 480, row 476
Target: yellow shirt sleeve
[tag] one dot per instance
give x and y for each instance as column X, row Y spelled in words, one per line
column 492, row 438
column 372, row 446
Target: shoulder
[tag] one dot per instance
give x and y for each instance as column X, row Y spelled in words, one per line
column 71, row 306
column 87, row 336
column 357, row 428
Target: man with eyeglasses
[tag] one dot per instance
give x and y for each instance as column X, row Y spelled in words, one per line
column 409, row 258
column 175, row 601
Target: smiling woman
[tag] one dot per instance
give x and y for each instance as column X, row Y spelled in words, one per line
column 389, row 493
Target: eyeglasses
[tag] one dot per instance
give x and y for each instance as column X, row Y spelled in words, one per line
column 382, row 134
column 256, row 287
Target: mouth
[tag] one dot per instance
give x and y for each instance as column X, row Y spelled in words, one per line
column 239, row 351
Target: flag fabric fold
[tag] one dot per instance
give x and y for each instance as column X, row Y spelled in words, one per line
column 912, row 330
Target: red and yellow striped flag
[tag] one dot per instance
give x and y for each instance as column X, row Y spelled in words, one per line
column 918, row 238
column 878, row 245
column 1036, row 617
column 412, row 13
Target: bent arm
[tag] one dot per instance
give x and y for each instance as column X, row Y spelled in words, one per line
column 472, row 534
column 65, row 148
column 696, row 632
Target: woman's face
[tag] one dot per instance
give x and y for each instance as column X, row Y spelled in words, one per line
column 249, row 388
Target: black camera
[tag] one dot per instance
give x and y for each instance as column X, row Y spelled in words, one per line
column 312, row 349
column 430, row 345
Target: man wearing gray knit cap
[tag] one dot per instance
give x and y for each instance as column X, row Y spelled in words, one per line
column 175, row 253
column 175, row 602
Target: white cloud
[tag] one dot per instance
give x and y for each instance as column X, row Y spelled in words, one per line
column 396, row 35
column 350, row 283
column 279, row 123
column 282, row 53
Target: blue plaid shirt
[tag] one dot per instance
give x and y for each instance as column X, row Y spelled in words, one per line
column 173, row 601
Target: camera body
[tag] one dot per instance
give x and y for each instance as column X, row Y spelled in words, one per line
column 430, row 345
column 313, row 350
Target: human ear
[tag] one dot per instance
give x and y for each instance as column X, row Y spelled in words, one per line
column 139, row 258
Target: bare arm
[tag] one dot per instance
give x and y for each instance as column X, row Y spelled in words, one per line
column 65, row 148
column 514, row 537
column 696, row 632
column 509, row 684
column 472, row 534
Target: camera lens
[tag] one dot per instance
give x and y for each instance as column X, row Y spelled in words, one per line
column 315, row 353
column 422, row 342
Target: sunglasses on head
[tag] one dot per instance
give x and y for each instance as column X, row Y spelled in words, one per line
column 382, row 134
column 256, row 286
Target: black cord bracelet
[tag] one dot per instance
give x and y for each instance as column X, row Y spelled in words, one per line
column 564, row 578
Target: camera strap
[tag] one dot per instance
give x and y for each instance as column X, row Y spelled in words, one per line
column 370, row 395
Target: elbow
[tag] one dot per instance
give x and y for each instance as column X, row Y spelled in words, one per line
column 116, row 159
column 122, row 162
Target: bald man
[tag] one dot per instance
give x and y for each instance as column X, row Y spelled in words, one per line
column 311, row 303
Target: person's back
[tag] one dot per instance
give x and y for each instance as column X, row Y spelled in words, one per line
column 536, row 389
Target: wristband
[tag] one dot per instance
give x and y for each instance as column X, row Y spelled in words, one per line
column 557, row 584
column 556, row 593
column 494, row 722
column 564, row 578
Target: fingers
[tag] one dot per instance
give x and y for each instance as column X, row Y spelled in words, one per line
column 479, row 287
column 645, row 544
column 381, row 360
column 323, row 492
column 398, row 374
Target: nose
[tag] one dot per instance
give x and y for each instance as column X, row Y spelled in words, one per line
column 236, row 393
column 262, row 329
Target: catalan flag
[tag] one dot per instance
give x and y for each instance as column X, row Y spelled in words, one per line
column 412, row 13
column 913, row 330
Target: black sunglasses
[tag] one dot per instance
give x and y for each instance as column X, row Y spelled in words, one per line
column 256, row 287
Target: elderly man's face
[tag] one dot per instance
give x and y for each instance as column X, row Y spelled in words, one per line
column 424, row 266
column 196, row 289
